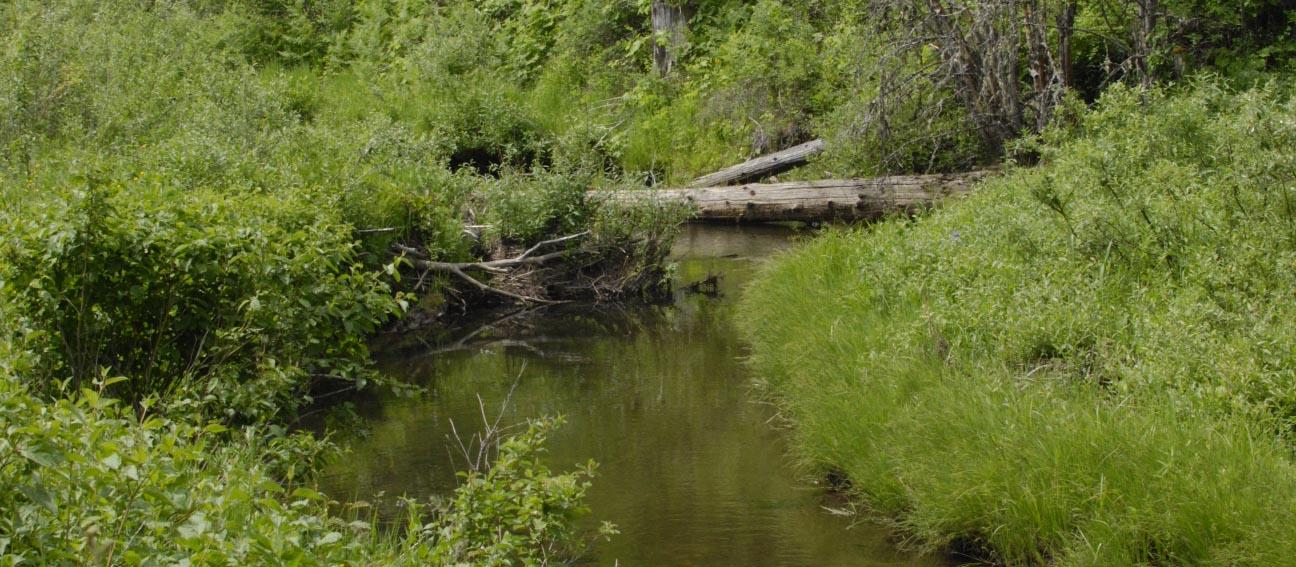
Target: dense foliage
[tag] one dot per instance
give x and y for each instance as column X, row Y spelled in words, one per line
column 88, row 480
column 570, row 83
column 185, row 263
column 227, row 305
column 1084, row 363
column 200, row 198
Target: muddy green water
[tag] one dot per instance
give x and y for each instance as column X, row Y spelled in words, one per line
column 690, row 468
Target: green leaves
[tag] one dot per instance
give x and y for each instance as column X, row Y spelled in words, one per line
column 518, row 512
column 179, row 291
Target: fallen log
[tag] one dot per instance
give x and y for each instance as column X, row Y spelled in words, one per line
column 826, row 200
column 762, row 166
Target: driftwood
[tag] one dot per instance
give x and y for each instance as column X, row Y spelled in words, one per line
column 846, row 199
column 763, row 166
column 460, row 269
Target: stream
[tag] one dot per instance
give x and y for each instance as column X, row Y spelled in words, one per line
column 691, row 469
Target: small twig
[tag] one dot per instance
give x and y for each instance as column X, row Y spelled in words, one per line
column 409, row 251
column 487, row 440
column 544, row 243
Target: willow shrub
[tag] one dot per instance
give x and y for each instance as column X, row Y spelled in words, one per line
column 1089, row 362
column 232, row 303
column 86, row 478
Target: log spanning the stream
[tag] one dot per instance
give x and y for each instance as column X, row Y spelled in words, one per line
column 826, row 200
column 769, row 164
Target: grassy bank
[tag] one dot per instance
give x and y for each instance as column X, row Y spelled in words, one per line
column 1088, row 362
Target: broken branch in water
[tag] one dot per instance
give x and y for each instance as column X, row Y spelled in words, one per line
column 421, row 260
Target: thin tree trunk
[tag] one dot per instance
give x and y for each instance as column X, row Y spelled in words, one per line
column 1066, row 28
column 1043, row 69
column 1147, row 22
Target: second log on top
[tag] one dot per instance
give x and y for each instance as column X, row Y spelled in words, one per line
column 762, row 166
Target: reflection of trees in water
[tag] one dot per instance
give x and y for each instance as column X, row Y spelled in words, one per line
column 558, row 333
column 550, row 338
column 557, row 337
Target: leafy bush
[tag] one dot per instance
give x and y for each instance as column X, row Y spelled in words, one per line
column 87, row 480
column 766, row 75
column 90, row 480
column 523, row 510
column 291, row 32
column 527, row 208
column 231, row 304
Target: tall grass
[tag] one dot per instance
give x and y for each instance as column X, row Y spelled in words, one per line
column 1081, row 364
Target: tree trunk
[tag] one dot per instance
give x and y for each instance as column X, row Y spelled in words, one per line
column 1066, row 28
column 1145, row 26
column 669, row 24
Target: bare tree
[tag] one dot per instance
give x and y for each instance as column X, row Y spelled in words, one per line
column 1006, row 64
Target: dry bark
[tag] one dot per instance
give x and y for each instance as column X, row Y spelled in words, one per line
column 669, row 25
column 762, row 166
column 826, row 200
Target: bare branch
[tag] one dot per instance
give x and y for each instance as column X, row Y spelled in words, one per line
column 542, row 244
column 479, row 285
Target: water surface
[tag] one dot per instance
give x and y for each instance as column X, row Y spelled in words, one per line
column 690, row 468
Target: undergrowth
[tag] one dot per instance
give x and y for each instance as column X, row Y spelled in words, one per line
column 197, row 220
column 1083, row 363
column 200, row 197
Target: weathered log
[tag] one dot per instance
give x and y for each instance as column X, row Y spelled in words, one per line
column 762, row 166
column 827, row 200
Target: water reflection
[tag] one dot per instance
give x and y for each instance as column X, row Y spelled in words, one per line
column 690, row 470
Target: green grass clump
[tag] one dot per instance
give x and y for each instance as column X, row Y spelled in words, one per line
column 1084, row 363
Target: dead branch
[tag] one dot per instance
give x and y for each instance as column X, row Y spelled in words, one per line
column 421, row 260
column 479, row 285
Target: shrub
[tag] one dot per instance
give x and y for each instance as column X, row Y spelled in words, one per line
column 517, row 512
column 232, row 304
column 90, row 480
column 528, row 207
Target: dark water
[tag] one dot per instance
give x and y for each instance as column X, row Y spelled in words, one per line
column 690, row 469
